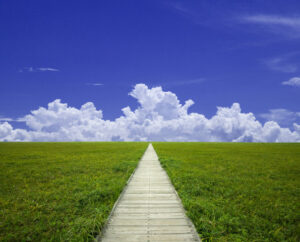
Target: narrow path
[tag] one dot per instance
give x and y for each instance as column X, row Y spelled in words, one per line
column 149, row 208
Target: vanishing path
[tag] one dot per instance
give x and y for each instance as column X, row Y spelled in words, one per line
column 149, row 208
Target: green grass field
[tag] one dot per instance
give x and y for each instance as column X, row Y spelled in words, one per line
column 61, row 191
column 237, row 191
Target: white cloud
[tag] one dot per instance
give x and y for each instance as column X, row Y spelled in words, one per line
column 6, row 119
column 287, row 26
column 94, row 84
column 187, row 12
column 281, row 64
column 274, row 20
column 38, row 69
column 287, row 63
column 159, row 116
column 282, row 116
column 183, row 83
column 295, row 81
column 5, row 130
column 179, row 7
column 47, row 69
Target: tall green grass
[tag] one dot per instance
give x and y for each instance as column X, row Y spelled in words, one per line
column 236, row 191
column 61, row 191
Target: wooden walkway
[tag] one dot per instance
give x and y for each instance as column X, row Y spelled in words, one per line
column 149, row 208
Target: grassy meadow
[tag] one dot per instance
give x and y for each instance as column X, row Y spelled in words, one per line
column 237, row 191
column 61, row 191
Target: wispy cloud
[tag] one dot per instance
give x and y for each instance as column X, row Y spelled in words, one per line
column 7, row 119
column 280, row 64
column 177, row 6
column 187, row 12
column 38, row 69
column 96, row 84
column 3, row 119
column 273, row 20
column 295, row 81
column 281, row 116
column 283, row 25
column 184, row 82
column 287, row 63
column 47, row 69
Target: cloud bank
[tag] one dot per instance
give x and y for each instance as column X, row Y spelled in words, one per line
column 159, row 117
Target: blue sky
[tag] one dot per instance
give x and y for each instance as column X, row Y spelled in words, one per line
column 213, row 52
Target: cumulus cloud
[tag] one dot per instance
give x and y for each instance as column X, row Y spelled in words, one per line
column 295, row 81
column 159, row 117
